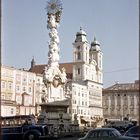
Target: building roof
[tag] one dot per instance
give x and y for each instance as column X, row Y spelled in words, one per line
column 95, row 42
column 39, row 69
column 81, row 36
column 124, row 86
column 81, row 32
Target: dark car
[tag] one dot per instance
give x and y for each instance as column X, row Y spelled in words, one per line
column 133, row 132
column 121, row 126
column 105, row 134
column 22, row 127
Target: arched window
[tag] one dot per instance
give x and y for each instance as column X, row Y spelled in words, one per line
column 78, row 55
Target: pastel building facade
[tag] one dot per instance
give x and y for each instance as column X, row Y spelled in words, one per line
column 121, row 100
column 19, row 91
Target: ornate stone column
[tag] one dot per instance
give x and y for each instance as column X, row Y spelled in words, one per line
column 53, row 77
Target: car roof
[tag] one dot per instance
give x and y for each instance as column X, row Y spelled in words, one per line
column 134, row 127
column 104, row 129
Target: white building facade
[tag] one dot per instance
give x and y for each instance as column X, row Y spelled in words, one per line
column 121, row 100
column 86, row 85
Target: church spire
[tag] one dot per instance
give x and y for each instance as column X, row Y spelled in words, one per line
column 32, row 62
column 95, row 45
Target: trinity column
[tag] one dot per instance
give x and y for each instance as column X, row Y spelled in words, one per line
column 53, row 77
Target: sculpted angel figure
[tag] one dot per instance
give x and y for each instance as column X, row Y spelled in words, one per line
column 53, row 55
column 63, row 75
column 48, row 75
column 52, row 23
column 53, row 46
column 53, row 35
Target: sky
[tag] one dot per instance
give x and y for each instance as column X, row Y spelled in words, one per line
column 114, row 23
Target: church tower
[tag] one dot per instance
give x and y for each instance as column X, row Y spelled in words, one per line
column 96, row 54
column 32, row 63
column 81, row 56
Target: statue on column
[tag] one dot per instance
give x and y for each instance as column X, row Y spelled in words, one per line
column 52, row 74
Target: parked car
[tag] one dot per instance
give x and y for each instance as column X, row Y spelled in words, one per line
column 22, row 127
column 105, row 134
column 121, row 126
column 133, row 132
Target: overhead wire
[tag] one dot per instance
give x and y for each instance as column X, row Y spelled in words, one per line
column 121, row 70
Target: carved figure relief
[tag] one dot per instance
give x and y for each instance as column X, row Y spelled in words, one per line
column 56, row 81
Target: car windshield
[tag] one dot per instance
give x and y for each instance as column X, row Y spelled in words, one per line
column 90, row 133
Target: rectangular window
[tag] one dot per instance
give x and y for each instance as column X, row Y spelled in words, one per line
column 74, row 101
column 9, row 96
column 3, row 96
column 78, row 71
column 24, row 89
column 30, row 89
column 30, row 80
column 79, row 103
column 78, row 93
column 18, row 78
column 24, row 79
column 12, row 111
column 72, row 110
column 78, row 111
column 84, row 112
column 17, row 88
column 79, row 56
column 10, row 85
column 3, row 85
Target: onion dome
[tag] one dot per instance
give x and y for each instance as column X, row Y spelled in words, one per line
column 81, row 36
column 81, row 32
column 95, row 45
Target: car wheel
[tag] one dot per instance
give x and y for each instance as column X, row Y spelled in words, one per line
column 31, row 136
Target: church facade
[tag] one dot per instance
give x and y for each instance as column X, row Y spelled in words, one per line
column 87, row 83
